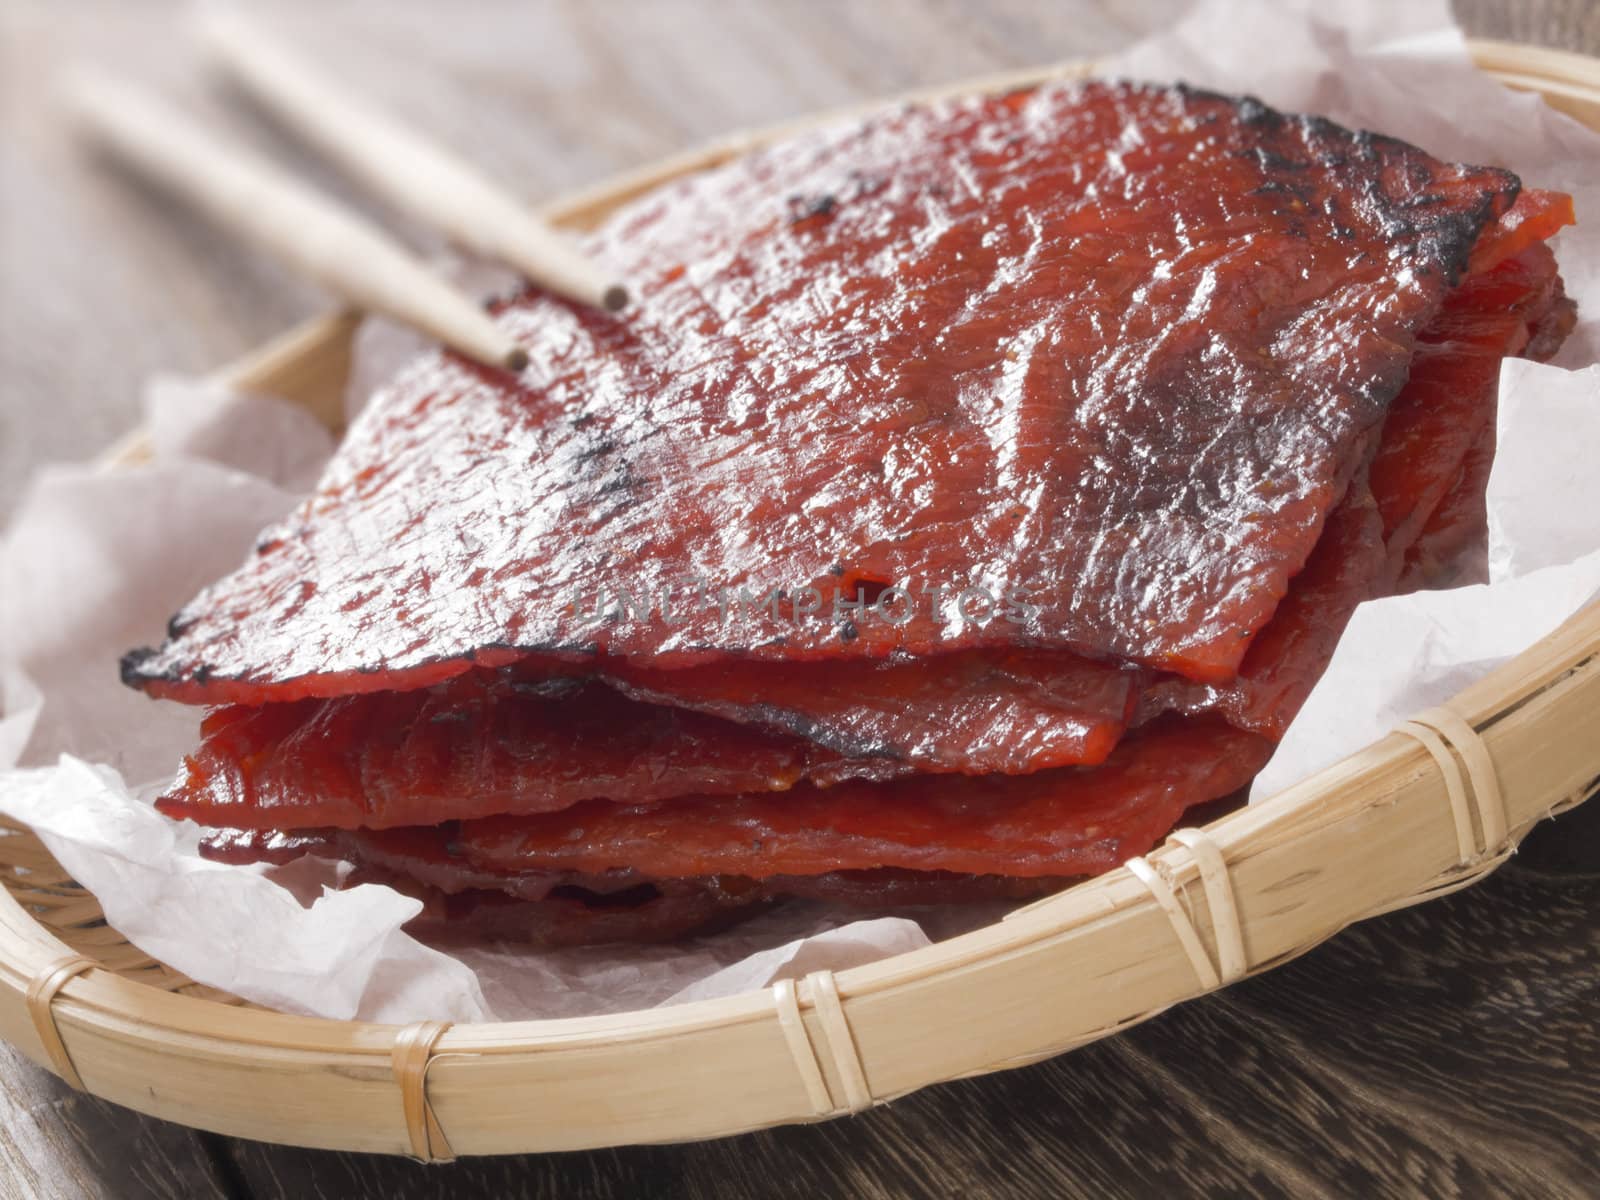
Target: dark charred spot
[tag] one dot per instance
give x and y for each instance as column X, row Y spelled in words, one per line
column 828, row 736
column 865, row 183
column 1253, row 112
column 803, row 209
column 594, row 450
column 552, row 688
column 617, row 483
column 131, row 668
column 303, row 594
column 1271, row 160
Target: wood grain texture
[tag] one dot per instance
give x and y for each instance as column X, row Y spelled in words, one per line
column 1450, row 1050
column 58, row 1144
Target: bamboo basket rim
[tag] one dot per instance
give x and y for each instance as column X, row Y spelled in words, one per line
column 832, row 1043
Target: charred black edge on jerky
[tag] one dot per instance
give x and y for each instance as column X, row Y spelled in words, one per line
column 1443, row 240
column 775, row 716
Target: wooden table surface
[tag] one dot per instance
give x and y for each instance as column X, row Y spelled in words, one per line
column 1451, row 1050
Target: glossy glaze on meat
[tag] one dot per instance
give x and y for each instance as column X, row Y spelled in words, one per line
column 1069, row 821
column 509, row 741
column 1289, row 655
column 974, row 712
column 533, row 737
column 1178, row 380
column 483, row 743
column 1104, row 349
column 1448, row 405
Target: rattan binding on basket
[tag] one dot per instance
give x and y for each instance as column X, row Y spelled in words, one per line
column 413, row 1052
column 1159, row 881
column 1442, row 731
column 1232, row 962
column 41, row 998
column 785, row 998
column 841, row 1042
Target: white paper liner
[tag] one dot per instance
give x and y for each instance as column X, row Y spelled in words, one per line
column 94, row 562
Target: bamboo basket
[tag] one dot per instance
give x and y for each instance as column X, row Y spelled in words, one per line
column 1430, row 808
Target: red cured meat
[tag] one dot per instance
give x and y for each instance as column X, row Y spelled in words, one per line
column 483, row 743
column 973, row 712
column 1288, row 657
column 1428, row 474
column 1449, row 401
column 1442, row 415
column 1110, row 347
column 430, row 857
column 1536, row 216
column 1453, row 548
column 1070, row 821
column 680, row 908
column 568, row 909
column 426, row 855
column 493, row 742
column 548, row 909
column 1437, row 521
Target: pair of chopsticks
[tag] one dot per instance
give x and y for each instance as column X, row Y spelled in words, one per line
column 317, row 235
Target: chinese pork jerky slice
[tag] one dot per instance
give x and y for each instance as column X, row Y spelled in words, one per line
column 1452, row 546
column 1537, row 215
column 974, row 712
column 517, row 740
column 1427, row 478
column 549, row 909
column 556, row 908
column 673, row 909
column 1448, row 405
column 431, row 857
column 1069, row 821
column 483, row 743
column 1289, row 655
column 668, row 910
column 299, row 764
column 1107, row 347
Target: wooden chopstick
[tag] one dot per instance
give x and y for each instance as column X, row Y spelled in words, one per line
column 415, row 175
column 312, row 232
